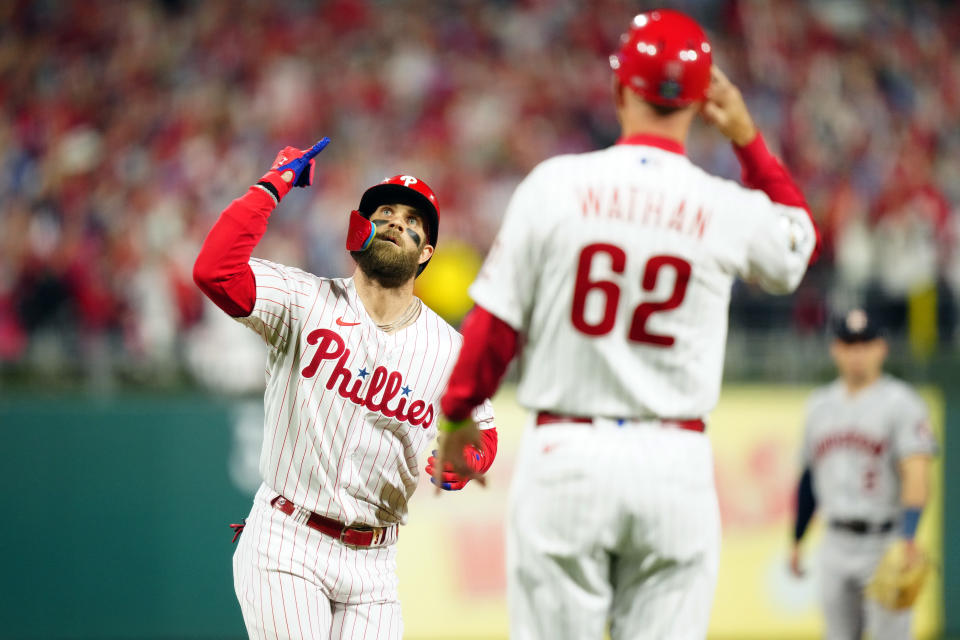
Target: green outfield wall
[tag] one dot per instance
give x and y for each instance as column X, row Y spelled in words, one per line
column 115, row 515
column 115, row 518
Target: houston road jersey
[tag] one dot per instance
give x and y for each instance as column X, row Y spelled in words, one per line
column 617, row 265
column 854, row 443
column 348, row 408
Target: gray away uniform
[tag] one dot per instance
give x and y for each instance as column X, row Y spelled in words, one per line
column 853, row 445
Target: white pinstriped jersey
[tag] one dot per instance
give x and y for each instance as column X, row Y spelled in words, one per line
column 348, row 408
column 617, row 265
column 853, row 444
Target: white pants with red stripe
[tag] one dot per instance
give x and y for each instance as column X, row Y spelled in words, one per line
column 612, row 527
column 295, row 582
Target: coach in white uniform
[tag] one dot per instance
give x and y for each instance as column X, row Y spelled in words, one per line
column 610, row 280
column 355, row 369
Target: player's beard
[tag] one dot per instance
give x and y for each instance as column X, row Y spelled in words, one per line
column 387, row 263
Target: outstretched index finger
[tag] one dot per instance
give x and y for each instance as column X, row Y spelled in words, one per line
column 317, row 148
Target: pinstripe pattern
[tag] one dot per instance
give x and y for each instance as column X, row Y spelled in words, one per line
column 348, row 411
column 610, row 523
column 617, row 266
column 648, row 202
column 294, row 582
column 325, row 452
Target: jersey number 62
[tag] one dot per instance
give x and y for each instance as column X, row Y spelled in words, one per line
column 618, row 262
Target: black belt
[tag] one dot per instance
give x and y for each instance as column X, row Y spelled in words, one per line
column 862, row 527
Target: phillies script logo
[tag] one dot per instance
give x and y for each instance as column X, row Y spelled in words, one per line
column 386, row 385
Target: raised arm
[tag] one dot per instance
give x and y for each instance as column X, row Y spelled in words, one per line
column 222, row 269
column 726, row 110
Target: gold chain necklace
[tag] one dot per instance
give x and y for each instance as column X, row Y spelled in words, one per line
column 412, row 313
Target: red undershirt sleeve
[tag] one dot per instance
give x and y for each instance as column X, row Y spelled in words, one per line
column 222, row 269
column 760, row 169
column 489, row 344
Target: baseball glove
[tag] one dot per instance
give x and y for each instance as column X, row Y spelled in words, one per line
column 899, row 576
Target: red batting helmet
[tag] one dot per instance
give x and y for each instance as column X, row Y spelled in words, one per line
column 408, row 190
column 665, row 57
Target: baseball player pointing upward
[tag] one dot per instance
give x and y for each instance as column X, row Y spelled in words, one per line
column 354, row 372
column 610, row 279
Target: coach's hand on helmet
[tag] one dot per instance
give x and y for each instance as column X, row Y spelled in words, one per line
column 292, row 168
column 725, row 109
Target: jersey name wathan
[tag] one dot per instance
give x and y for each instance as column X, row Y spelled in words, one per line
column 644, row 207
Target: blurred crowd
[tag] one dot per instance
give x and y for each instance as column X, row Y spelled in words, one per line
column 125, row 128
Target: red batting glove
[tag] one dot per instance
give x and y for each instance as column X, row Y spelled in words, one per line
column 292, row 168
column 450, row 481
column 478, row 459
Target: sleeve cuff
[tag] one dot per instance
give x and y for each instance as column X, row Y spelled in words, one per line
column 269, row 189
column 909, row 522
column 260, row 199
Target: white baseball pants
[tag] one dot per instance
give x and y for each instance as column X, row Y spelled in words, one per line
column 612, row 525
column 295, row 582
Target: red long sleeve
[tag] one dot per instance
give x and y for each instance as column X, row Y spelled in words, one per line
column 222, row 270
column 760, row 169
column 489, row 344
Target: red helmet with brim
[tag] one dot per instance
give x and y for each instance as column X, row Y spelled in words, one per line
column 408, row 190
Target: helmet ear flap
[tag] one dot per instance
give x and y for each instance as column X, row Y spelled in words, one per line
column 360, row 232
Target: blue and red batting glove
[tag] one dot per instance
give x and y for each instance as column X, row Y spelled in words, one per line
column 479, row 459
column 450, row 480
column 292, row 168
